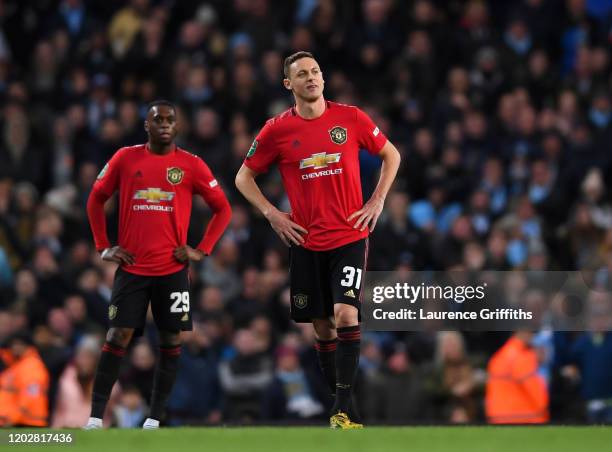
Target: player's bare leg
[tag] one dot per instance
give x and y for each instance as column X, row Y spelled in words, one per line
column 347, row 360
column 113, row 351
column 165, row 374
column 325, row 333
column 325, row 329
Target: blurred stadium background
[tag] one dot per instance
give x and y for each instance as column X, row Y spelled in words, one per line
column 501, row 110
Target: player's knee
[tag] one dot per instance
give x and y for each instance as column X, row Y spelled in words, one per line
column 120, row 336
column 325, row 330
column 345, row 315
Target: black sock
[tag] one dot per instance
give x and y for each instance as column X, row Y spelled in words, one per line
column 165, row 374
column 106, row 375
column 347, row 360
column 326, row 352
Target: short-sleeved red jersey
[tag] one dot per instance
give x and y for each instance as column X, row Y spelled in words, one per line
column 155, row 195
column 319, row 163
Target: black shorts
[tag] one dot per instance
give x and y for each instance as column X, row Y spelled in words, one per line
column 168, row 294
column 319, row 279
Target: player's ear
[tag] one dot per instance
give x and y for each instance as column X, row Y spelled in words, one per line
column 146, row 126
column 287, row 83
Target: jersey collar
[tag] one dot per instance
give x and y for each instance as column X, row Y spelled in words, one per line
column 148, row 149
column 295, row 113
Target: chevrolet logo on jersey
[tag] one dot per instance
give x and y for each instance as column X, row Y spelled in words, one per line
column 320, row 160
column 154, row 195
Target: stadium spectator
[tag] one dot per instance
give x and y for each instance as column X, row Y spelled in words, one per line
column 131, row 409
column 75, row 386
column 291, row 394
column 24, row 384
column 516, row 393
column 453, row 383
column 397, row 393
column 244, row 377
column 140, row 369
column 589, row 354
column 196, row 397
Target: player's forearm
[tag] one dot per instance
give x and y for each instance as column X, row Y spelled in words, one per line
column 245, row 183
column 216, row 227
column 97, row 219
column 391, row 161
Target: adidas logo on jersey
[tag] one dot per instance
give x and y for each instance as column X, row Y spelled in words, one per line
column 349, row 293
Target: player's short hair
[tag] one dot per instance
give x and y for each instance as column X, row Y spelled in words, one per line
column 293, row 58
column 160, row 102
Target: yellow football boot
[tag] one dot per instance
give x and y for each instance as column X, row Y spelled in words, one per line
column 341, row 421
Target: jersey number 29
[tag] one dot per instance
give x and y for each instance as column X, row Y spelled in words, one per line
column 181, row 302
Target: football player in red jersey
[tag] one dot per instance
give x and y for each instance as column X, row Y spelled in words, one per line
column 316, row 146
column 155, row 182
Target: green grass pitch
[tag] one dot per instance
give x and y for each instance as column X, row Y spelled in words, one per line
column 315, row 439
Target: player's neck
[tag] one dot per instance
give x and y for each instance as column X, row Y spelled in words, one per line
column 161, row 149
column 310, row 110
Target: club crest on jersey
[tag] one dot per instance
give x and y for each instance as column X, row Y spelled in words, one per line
column 319, row 160
column 174, row 175
column 112, row 312
column 300, row 300
column 338, row 134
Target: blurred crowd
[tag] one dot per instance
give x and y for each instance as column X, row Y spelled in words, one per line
column 502, row 112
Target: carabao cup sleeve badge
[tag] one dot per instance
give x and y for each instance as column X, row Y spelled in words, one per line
column 252, row 149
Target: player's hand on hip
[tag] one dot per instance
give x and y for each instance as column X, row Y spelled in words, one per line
column 288, row 231
column 368, row 215
column 118, row 254
column 186, row 253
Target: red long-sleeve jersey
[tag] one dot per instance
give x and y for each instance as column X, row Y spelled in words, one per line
column 155, row 194
column 319, row 163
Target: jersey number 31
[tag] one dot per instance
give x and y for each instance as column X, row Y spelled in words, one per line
column 349, row 277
